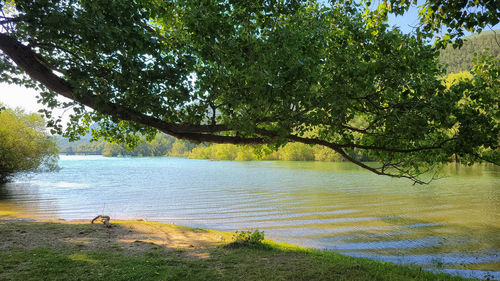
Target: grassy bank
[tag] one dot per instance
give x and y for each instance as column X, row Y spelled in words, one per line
column 139, row 250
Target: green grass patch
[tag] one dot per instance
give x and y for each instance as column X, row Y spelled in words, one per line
column 47, row 264
column 271, row 261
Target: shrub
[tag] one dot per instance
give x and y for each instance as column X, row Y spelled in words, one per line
column 247, row 239
column 24, row 144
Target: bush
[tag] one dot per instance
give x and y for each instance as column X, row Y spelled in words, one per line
column 24, row 144
column 247, row 239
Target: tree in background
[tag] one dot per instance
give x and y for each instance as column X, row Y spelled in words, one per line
column 161, row 145
column 181, row 148
column 90, row 147
column 113, row 149
column 256, row 72
column 24, row 144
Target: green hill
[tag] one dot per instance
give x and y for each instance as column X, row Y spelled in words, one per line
column 458, row 60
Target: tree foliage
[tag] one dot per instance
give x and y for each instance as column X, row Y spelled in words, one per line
column 252, row 72
column 24, row 145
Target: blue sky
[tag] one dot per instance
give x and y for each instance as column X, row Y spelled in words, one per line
column 409, row 20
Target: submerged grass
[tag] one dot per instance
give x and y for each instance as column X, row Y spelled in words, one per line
column 137, row 250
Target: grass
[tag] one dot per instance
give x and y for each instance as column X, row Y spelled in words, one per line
column 137, row 250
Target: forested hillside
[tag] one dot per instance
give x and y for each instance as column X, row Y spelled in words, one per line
column 488, row 42
column 66, row 146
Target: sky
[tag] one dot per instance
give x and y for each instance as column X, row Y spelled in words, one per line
column 16, row 96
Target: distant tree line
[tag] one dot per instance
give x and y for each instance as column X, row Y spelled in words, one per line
column 161, row 145
column 164, row 145
column 289, row 152
column 458, row 60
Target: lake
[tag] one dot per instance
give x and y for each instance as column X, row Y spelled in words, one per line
column 450, row 225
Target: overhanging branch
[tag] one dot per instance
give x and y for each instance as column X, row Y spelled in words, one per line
column 28, row 61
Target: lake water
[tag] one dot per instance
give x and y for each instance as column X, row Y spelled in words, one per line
column 451, row 225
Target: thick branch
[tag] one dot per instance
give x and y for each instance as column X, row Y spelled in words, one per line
column 6, row 20
column 370, row 147
column 378, row 171
column 313, row 141
column 27, row 60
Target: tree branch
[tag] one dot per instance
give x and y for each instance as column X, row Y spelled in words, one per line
column 10, row 20
column 368, row 147
column 28, row 60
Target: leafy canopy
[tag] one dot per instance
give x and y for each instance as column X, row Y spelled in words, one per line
column 252, row 72
column 24, row 145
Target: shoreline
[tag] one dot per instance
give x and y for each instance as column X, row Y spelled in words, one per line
column 79, row 242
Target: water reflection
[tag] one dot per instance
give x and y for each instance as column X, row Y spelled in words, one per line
column 22, row 200
column 452, row 224
column 4, row 192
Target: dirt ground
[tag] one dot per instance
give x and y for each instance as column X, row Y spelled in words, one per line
column 130, row 237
